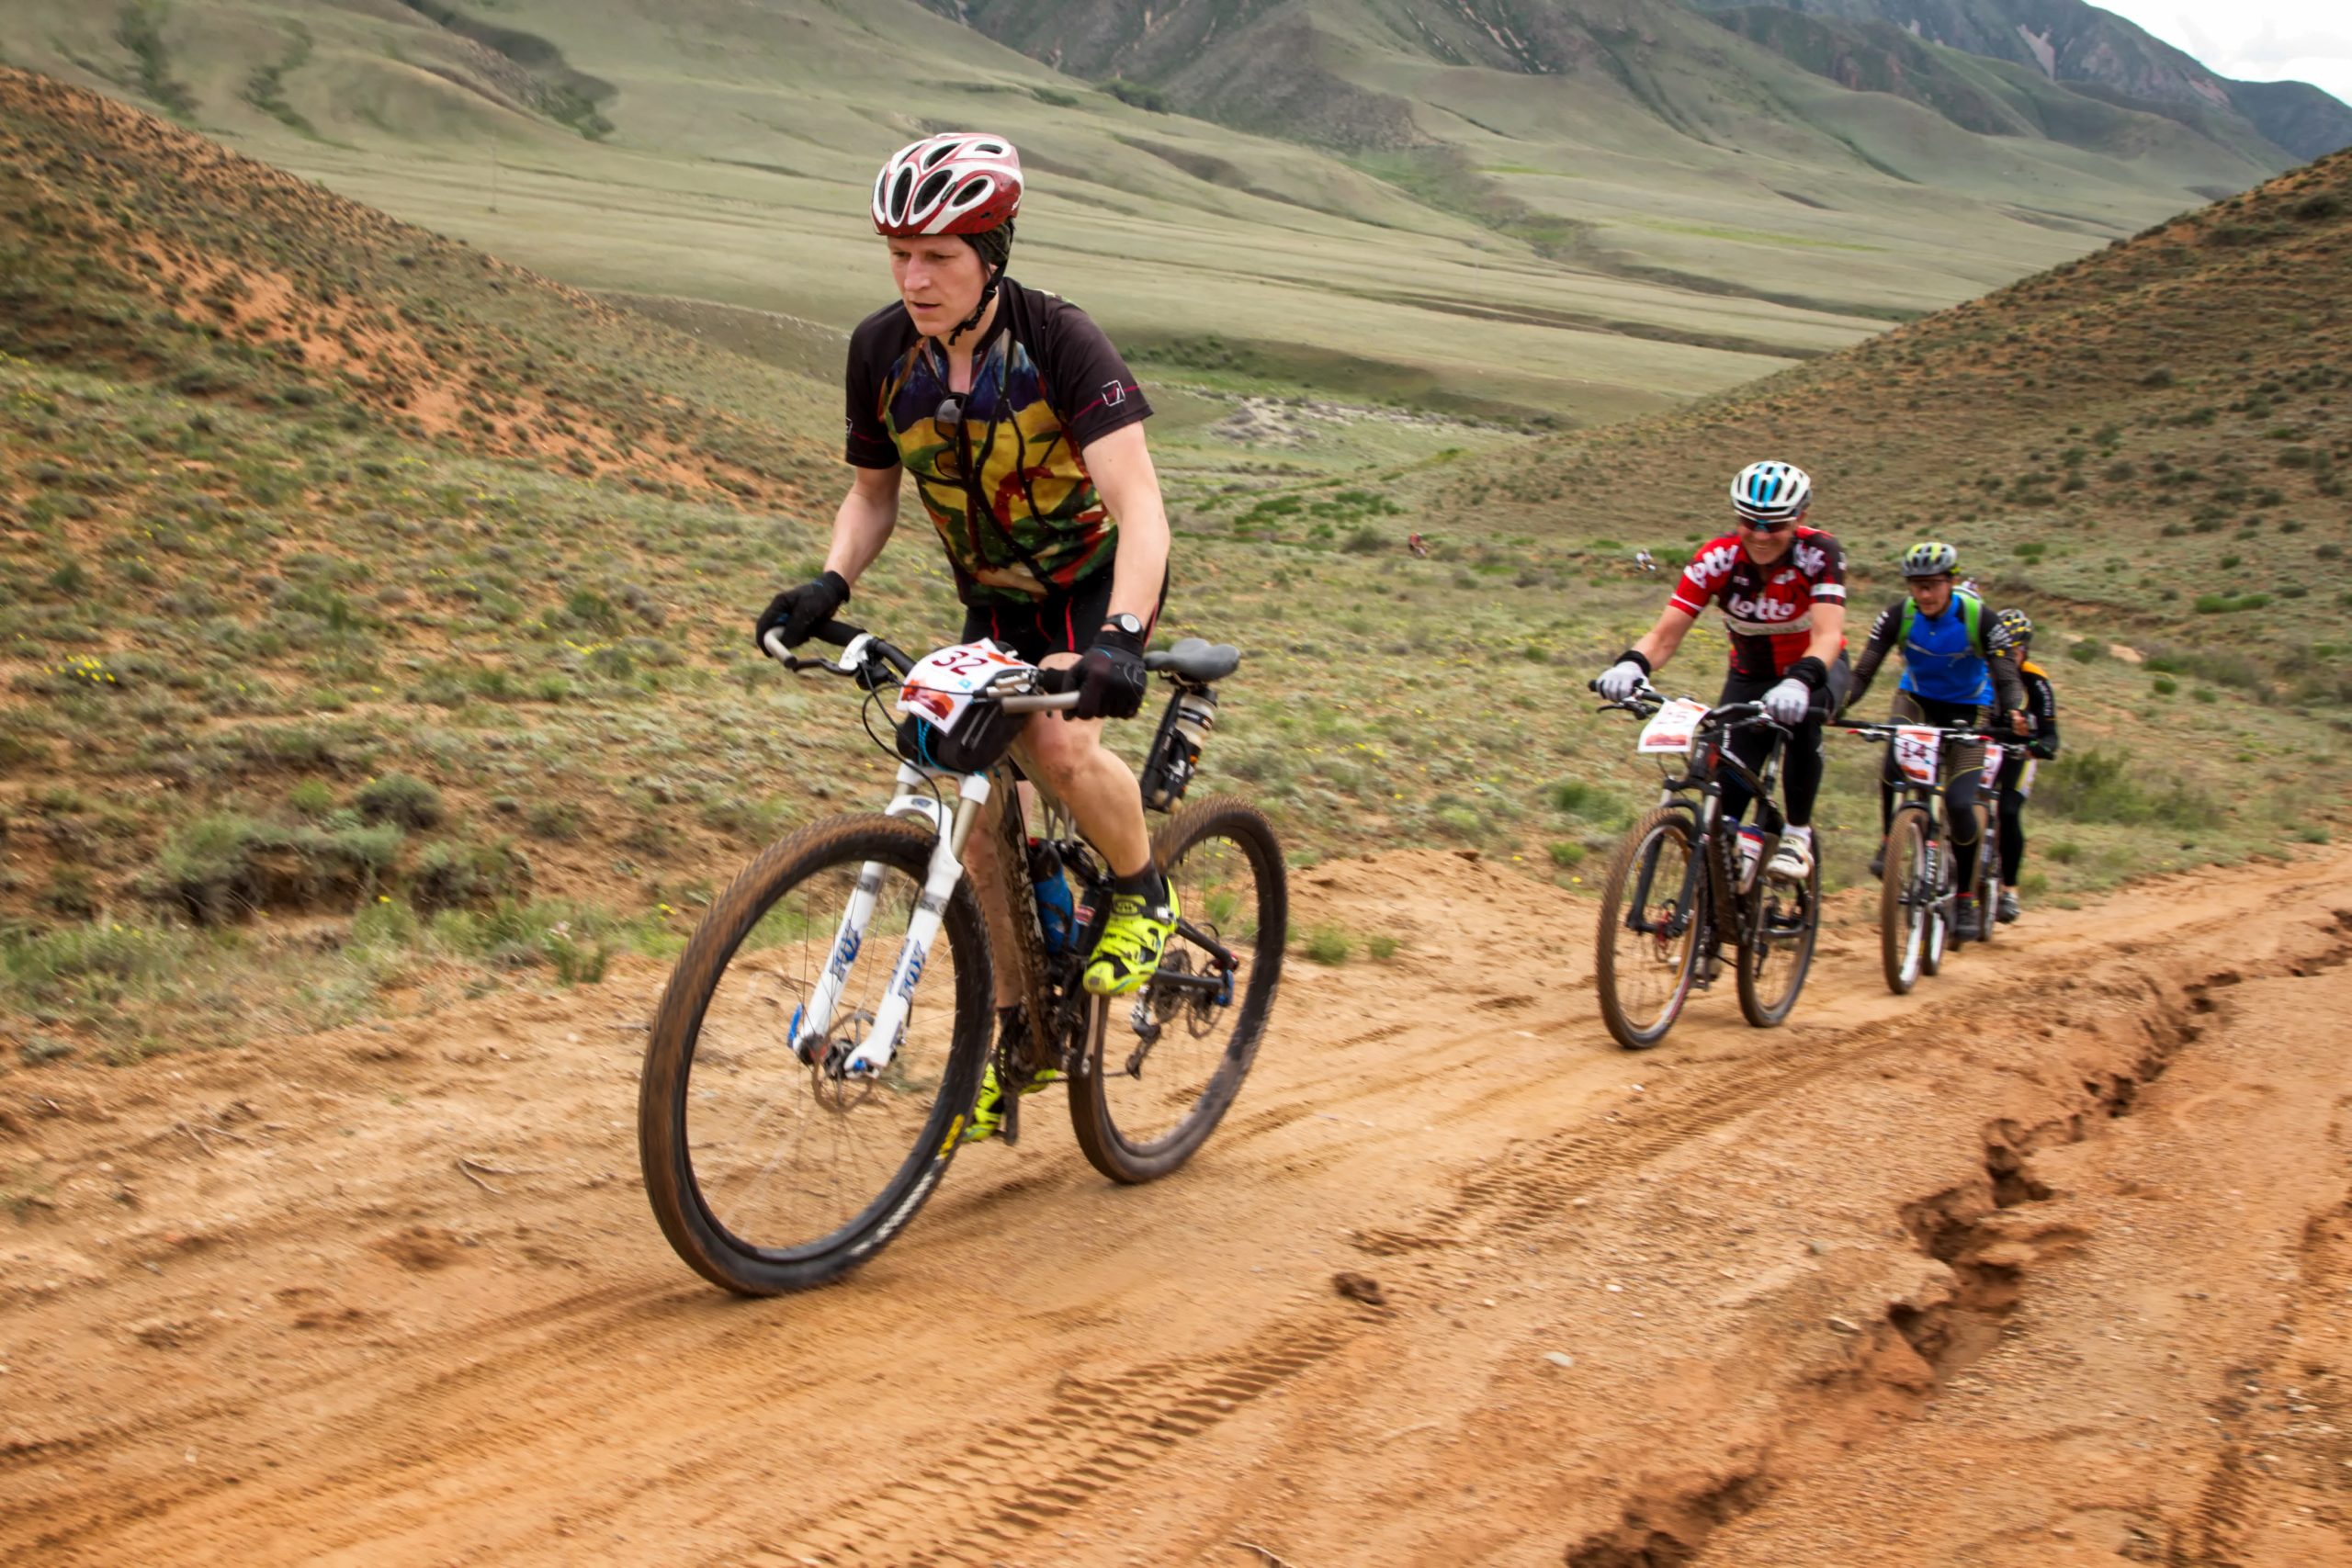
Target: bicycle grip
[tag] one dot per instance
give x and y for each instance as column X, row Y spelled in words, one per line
column 840, row 634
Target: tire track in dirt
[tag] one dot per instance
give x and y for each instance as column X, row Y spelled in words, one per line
column 1096, row 1434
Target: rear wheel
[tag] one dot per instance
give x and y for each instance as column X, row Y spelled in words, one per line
column 1783, row 919
column 768, row 1175
column 1906, row 897
column 1160, row 1067
column 1648, row 939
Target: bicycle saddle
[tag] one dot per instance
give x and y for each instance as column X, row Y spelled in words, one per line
column 1196, row 660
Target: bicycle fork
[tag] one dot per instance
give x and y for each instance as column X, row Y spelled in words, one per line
column 872, row 1054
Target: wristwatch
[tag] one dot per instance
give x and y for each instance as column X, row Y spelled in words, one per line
column 1131, row 625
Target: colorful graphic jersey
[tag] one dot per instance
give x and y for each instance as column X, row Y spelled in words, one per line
column 1768, row 608
column 1028, row 524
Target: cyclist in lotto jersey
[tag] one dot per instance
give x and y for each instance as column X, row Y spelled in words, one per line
column 1782, row 589
column 1956, row 667
column 2039, row 724
column 1023, row 430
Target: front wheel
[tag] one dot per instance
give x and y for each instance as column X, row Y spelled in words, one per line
column 1651, row 912
column 768, row 1174
column 1776, row 950
column 1988, row 874
column 1906, row 897
column 1158, row 1068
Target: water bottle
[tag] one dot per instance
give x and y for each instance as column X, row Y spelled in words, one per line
column 1751, row 851
column 1056, row 914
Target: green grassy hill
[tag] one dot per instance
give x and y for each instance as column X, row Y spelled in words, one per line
column 1627, row 208
column 2152, row 439
column 372, row 611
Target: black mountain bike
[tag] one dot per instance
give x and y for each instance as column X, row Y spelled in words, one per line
column 1918, row 918
column 813, row 1064
column 1679, row 886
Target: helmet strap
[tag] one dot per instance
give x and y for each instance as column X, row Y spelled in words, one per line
column 988, row 293
column 994, row 247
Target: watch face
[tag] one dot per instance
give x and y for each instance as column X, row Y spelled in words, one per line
column 1127, row 624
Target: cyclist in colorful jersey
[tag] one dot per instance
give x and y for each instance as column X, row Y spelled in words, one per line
column 1955, row 669
column 2038, row 722
column 1783, row 588
column 1023, row 430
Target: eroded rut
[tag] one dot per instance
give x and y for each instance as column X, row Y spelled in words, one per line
column 1458, row 1283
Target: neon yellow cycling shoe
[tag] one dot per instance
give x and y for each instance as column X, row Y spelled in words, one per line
column 990, row 1111
column 1131, row 940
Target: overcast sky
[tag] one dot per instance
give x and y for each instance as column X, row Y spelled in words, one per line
column 2255, row 40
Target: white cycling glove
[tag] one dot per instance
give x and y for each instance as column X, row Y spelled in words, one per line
column 1621, row 680
column 1788, row 702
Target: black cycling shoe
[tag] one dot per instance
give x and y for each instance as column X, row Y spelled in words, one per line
column 2010, row 909
column 1878, row 861
column 1968, row 921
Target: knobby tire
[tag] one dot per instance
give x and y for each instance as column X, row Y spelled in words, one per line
column 1644, row 843
column 1104, row 1094
column 773, row 1265
column 1903, row 900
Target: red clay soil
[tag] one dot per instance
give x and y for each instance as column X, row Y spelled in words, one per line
column 2047, row 1263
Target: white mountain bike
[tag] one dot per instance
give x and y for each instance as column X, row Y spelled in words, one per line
column 814, row 1061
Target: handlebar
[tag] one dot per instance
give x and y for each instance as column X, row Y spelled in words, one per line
column 1881, row 732
column 872, row 660
column 1647, row 699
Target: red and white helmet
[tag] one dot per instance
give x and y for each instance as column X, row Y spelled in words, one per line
column 961, row 183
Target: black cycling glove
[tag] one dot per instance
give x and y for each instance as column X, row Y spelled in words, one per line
column 1110, row 677
column 799, row 612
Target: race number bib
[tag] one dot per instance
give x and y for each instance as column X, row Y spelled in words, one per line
column 1917, row 747
column 1671, row 727
column 941, row 686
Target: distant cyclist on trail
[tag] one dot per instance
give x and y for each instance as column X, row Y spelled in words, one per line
column 2039, row 723
column 1782, row 587
column 1955, row 668
column 1023, row 431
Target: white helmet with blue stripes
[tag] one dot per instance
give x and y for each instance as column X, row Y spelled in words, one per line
column 1771, row 492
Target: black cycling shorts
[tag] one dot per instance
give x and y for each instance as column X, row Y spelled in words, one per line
column 1064, row 623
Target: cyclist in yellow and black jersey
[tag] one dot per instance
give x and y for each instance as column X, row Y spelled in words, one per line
column 2038, row 723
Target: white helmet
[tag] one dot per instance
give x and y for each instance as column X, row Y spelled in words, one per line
column 1771, row 492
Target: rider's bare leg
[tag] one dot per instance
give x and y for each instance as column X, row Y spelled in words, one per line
column 1068, row 757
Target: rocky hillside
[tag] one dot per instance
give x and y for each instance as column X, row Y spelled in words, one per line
column 142, row 247
column 2083, row 46
column 1331, row 70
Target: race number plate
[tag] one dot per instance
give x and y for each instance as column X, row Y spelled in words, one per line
column 1916, row 746
column 1672, row 726
column 941, row 687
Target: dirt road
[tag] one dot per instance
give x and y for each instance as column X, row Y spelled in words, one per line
column 2047, row 1263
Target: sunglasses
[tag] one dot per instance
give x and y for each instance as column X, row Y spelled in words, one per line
column 1776, row 528
column 949, row 415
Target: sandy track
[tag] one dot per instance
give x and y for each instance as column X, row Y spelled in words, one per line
column 1893, row 1283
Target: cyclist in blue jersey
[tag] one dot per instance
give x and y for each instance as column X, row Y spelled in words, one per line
column 1957, row 669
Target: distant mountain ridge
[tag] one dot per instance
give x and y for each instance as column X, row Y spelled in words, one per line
column 1326, row 71
column 2082, row 46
